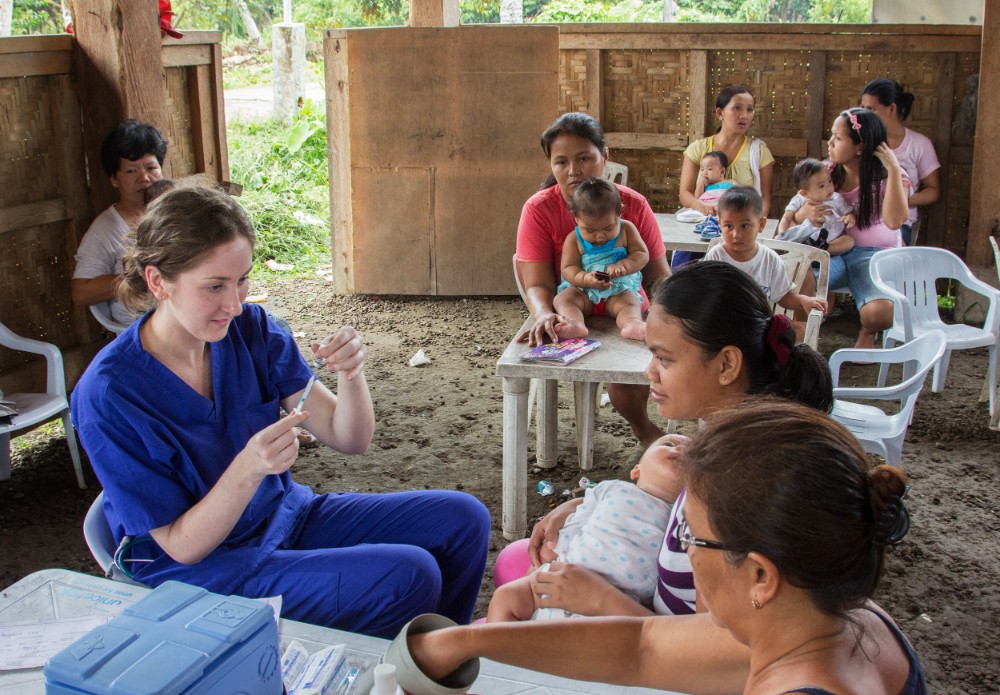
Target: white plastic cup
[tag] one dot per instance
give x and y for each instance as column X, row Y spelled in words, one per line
column 408, row 674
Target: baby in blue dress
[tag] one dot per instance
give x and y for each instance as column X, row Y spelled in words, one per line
column 601, row 265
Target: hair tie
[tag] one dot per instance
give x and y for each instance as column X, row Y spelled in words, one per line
column 855, row 124
column 893, row 524
column 779, row 325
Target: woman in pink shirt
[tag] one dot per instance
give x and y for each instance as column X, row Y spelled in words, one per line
column 915, row 152
column 574, row 145
column 868, row 175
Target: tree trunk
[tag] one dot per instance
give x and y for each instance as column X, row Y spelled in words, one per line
column 668, row 10
column 251, row 26
column 6, row 16
column 511, row 11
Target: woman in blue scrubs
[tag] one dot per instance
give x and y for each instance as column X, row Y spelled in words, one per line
column 180, row 416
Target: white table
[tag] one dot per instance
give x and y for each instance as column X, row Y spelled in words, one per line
column 617, row 361
column 58, row 593
column 680, row 236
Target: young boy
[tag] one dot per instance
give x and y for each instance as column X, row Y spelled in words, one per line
column 741, row 219
column 815, row 185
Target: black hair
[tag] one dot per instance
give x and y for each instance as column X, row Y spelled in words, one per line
column 717, row 305
column 131, row 140
column 157, row 189
column 581, row 125
column 870, row 133
column 794, row 485
column 726, row 95
column 890, row 92
column 595, row 197
column 719, row 155
column 741, row 198
column 805, row 170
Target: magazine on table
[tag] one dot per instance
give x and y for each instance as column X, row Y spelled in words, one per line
column 562, row 351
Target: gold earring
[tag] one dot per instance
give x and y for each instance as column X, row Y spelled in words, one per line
column 755, row 603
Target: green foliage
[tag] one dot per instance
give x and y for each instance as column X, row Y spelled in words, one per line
column 841, row 11
column 822, row 11
column 36, row 17
column 600, row 11
column 285, row 181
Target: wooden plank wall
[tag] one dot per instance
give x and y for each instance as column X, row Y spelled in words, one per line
column 45, row 203
column 430, row 165
column 653, row 87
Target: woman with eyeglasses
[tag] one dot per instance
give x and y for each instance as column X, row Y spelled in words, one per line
column 786, row 527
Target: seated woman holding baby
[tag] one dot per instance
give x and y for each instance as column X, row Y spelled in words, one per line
column 574, row 145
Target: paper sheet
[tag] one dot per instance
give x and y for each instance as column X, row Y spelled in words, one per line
column 31, row 643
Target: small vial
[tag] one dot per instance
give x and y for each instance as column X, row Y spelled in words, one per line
column 385, row 681
column 545, row 488
column 319, row 362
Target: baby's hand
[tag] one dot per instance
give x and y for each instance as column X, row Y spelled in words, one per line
column 849, row 220
column 617, row 270
column 593, row 280
column 810, row 303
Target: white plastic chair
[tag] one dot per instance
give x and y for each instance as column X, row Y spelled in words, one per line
column 877, row 431
column 995, row 420
column 908, row 275
column 101, row 542
column 102, row 312
column 616, row 173
column 798, row 260
column 34, row 408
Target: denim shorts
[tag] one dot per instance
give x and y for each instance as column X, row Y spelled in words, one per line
column 853, row 272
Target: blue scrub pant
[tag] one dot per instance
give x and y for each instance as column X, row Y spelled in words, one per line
column 369, row 563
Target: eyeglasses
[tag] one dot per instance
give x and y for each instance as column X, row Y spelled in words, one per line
column 686, row 540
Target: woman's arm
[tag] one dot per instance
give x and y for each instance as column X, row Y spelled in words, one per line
column 895, row 201
column 539, row 284
column 349, row 427
column 87, row 291
column 200, row 530
column 689, row 177
column 684, row 653
column 929, row 191
column 766, row 177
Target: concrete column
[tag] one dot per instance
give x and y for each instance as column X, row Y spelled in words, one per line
column 288, row 49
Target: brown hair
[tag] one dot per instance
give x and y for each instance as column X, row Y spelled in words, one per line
column 175, row 234
column 789, row 482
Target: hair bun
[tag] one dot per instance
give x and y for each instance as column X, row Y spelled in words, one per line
column 892, row 519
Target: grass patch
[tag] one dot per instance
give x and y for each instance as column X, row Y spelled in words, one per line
column 285, row 180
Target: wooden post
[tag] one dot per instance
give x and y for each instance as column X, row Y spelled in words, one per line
column 120, row 75
column 984, row 210
column 434, row 13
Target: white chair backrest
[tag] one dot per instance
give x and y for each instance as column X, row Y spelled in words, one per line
column 616, row 173
column 909, row 275
column 97, row 533
column 996, row 254
column 517, row 278
column 918, row 356
column 102, row 312
column 55, row 377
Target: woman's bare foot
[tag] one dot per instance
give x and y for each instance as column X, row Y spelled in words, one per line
column 634, row 330
column 571, row 329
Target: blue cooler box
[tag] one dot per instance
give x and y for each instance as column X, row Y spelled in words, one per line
column 178, row 639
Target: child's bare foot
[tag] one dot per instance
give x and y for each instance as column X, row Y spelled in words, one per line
column 634, row 330
column 571, row 329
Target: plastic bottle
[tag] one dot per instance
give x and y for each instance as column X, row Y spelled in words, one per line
column 385, row 681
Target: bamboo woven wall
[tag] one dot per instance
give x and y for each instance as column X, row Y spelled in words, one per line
column 653, row 88
column 45, row 204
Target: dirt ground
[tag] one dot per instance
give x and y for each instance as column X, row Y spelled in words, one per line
column 440, row 426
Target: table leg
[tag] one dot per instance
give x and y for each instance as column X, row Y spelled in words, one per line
column 584, row 395
column 547, row 424
column 515, row 458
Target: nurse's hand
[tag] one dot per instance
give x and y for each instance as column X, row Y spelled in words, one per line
column 274, row 449
column 343, row 352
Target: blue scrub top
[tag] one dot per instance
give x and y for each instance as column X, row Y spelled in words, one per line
column 158, row 446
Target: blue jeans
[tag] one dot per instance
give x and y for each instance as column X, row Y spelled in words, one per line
column 853, row 273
